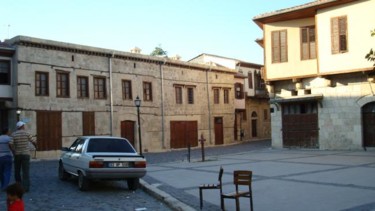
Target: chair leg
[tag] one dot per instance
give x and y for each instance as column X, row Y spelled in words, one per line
column 237, row 204
column 251, row 200
column 200, row 197
column 222, row 203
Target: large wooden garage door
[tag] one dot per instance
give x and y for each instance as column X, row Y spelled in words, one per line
column 184, row 133
column 48, row 130
column 300, row 125
column 368, row 124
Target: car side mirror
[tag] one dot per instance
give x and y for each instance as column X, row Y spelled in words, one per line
column 65, row 149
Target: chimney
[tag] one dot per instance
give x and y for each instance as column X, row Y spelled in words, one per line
column 176, row 57
column 135, row 50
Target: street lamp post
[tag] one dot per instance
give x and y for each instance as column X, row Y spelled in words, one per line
column 137, row 103
column 18, row 114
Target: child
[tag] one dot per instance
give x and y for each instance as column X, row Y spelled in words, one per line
column 14, row 197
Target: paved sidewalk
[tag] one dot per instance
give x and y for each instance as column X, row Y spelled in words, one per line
column 283, row 179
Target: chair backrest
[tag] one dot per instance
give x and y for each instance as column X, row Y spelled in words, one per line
column 241, row 177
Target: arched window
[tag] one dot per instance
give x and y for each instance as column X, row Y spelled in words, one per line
column 254, row 115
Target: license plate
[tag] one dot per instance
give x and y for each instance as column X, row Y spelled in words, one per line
column 119, row 165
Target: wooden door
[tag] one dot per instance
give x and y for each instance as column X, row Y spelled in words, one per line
column 219, row 131
column 183, row 134
column 300, row 130
column 368, row 125
column 49, row 130
column 128, row 131
column 88, row 123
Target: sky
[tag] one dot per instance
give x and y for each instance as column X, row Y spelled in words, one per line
column 184, row 27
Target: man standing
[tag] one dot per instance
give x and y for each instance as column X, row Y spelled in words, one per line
column 19, row 145
column 6, row 158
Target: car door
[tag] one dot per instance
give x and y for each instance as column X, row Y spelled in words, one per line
column 66, row 156
column 75, row 158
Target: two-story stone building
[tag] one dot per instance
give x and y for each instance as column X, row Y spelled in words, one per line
column 252, row 116
column 321, row 85
column 65, row 90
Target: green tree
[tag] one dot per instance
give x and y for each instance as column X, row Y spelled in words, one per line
column 158, row 51
column 371, row 55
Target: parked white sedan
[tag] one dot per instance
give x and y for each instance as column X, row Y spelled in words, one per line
column 101, row 158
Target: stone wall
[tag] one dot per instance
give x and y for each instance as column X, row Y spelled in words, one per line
column 162, row 75
column 339, row 113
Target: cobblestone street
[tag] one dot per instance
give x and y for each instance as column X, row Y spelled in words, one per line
column 47, row 192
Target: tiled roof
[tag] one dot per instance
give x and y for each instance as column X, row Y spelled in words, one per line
column 295, row 8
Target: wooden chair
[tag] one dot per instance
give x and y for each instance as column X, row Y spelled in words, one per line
column 239, row 178
column 210, row 186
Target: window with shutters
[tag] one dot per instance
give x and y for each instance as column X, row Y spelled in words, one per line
column 226, row 96
column 147, row 91
column 238, row 87
column 216, row 95
column 250, row 79
column 178, row 91
column 339, row 35
column 308, row 48
column 82, row 87
column 127, row 90
column 41, row 84
column 100, row 91
column 279, row 46
column 62, row 84
column 190, row 95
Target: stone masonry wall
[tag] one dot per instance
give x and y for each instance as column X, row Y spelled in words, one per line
column 32, row 59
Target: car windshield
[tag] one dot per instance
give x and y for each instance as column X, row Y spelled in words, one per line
column 109, row 145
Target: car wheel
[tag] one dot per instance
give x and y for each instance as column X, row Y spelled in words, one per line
column 133, row 183
column 83, row 182
column 63, row 175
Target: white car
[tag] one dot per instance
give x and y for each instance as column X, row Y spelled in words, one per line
column 101, row 158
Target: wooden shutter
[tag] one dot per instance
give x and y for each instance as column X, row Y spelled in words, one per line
column 242, row 94
column 250, row 79
column 283, row 46
column 304, row 44
column 342, row 34
column 312, row 43
column 275, row 46
column 335, row 35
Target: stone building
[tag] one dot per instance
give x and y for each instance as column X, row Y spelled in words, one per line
column 252, row 111
column 65, row 90
column 320, row 84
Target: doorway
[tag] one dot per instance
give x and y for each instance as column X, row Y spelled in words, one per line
column 127, row 130
column 219, row 137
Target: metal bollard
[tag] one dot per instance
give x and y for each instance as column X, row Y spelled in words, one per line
column 188, row 152
column 202, row 140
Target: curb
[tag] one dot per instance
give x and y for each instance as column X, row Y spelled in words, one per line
column 169, row 200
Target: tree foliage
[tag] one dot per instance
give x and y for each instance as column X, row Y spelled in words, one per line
column 371, row 55
column 158, row 51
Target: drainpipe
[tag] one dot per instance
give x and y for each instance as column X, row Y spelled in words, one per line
column 208, row 106
column 162, row 104
column 111, row 93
